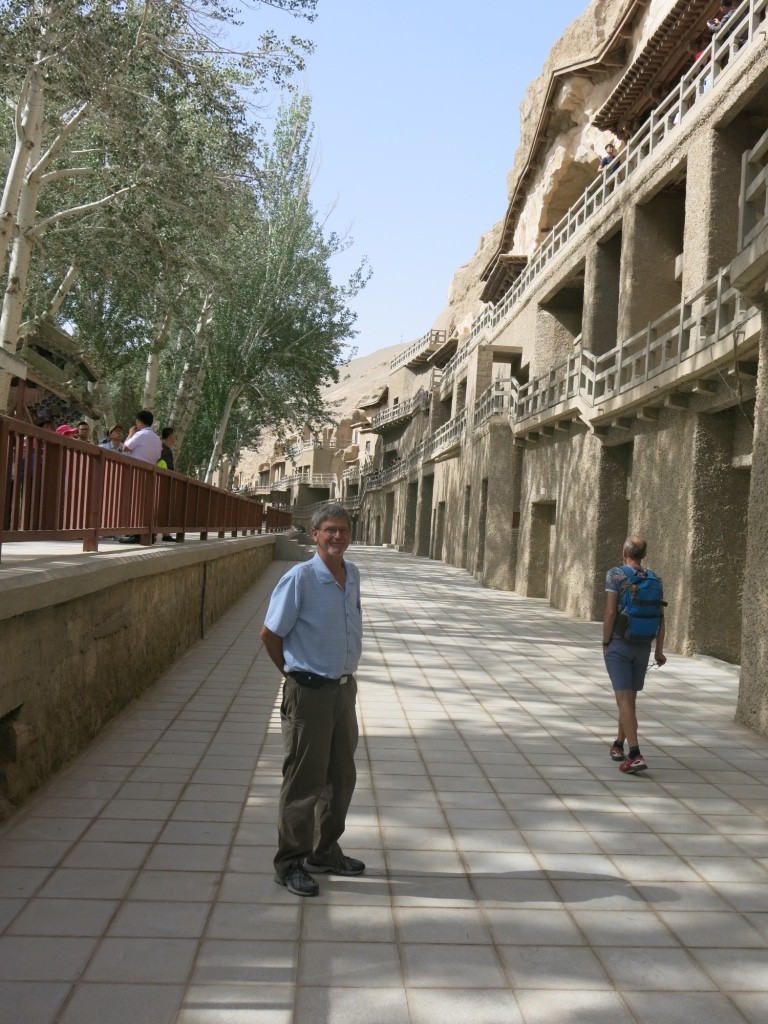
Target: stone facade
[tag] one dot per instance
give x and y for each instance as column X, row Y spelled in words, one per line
column 603, row 364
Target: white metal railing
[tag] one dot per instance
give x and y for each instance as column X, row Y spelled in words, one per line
column 447, row 435
column 352, row 472
column 498, row 399
column 725, row 48
column 401, row 411
column 692, row 326
column 450, row 368
column 426, row 344
column 753, row 198
column 295, row 450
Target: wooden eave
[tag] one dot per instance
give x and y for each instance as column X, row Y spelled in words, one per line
column 605, row 61
column 658, row 64
column 442, row 355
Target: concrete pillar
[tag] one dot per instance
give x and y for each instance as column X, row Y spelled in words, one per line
column 424, row 516
column 752, row 707
column 611, row 523
column 554, row 340
column 712, row 202
column 719, row 503
column 411, row 510
column 652, row 241
column 602, row 276
column 502, row 509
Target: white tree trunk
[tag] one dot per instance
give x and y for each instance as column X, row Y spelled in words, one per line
column 153, row 363
column 192, row 378
column 29, row 132
column 19, row 211
column 221, row 430
column 63, row 291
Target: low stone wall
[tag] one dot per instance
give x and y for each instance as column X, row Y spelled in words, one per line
column 80, row 641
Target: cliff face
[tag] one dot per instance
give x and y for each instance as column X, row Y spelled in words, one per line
column 559, row 147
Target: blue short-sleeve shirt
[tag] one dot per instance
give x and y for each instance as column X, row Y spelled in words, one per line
column 320, row 622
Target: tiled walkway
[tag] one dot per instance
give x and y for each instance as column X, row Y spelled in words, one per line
column 514, row 874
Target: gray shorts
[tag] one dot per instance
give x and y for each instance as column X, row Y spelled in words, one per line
column 627, row 663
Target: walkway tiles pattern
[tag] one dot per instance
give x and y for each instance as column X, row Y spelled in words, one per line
column 514, row 874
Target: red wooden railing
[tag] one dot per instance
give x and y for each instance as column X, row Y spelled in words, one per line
column 55, row 488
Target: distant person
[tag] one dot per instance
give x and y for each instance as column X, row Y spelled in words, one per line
column 113, row 442
column 727, row 8
column 168, row 437
column 43, row 418
column 633, row 619
column 142, row 442
column 608, row 159
column 83, row 431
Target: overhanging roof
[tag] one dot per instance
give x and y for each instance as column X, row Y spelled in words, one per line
column 658, row 62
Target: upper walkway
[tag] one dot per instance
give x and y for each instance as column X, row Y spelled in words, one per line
column 514, row 875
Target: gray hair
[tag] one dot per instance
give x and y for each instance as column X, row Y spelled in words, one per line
column 333, row 510
column 635, row 546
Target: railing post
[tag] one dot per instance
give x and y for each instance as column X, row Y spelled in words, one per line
column 94, row 500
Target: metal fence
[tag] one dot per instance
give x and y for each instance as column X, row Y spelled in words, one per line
column 54, row 488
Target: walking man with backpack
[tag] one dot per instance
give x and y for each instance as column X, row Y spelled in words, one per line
column 633, row 620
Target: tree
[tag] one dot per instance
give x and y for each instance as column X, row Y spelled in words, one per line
column 279, row 334
column 95, row 90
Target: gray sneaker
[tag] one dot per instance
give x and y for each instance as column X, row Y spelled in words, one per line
column 343, row 866
column 298, row 881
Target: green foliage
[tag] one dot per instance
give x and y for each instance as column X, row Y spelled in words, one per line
column 162, row 197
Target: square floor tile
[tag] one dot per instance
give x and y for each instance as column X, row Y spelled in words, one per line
column 27, row 1002
column 150, row 919
column 241, row 1003
column 64, row 917
column 451, row 966
column 351, row 1006
column 533, row 927
column 142, row 960
column 223, row 962
column 23, row 958
column 555, row 967
column 441, row 924
column 460, row 1006
column 350, row 965
column 123, row 1004
column 682, row 1008
column 660, row 970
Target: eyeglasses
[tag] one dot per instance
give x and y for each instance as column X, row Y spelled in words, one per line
column 341, row 531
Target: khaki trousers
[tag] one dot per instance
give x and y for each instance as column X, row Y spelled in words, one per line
column 319, row 741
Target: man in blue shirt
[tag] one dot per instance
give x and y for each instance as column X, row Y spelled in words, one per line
column 313, row 633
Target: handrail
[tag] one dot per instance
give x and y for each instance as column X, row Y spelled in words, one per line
column 450, row 368
column 402, row 410
column 428, row 342
column 753, row 197
column 713, row 312
column 54, row 488
column 499, row 399
column 725, row 48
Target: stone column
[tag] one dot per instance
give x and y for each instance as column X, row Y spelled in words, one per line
column 601, row 296
column 752, row 709
column 712, row 203
column 718, row 523
column 653, row 238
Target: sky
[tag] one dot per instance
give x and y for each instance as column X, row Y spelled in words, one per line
column 416, row 113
